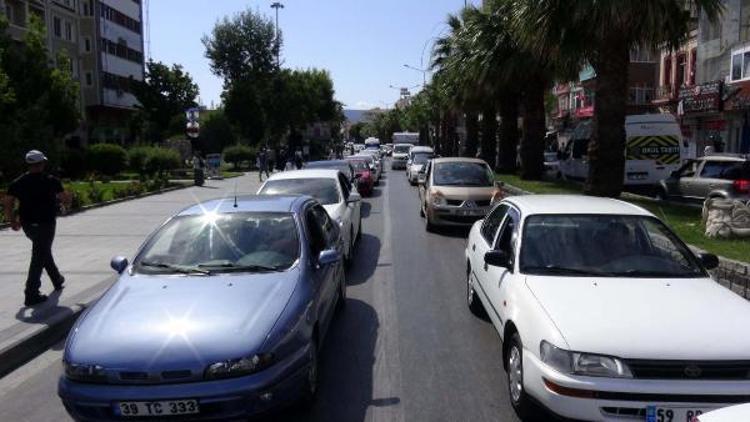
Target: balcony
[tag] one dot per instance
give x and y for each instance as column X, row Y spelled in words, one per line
column 665, row 93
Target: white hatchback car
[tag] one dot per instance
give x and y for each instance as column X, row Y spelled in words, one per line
column 332, row 189
column 604, row 313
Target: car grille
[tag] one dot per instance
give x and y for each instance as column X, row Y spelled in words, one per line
column 705, row 370
column 454, row 202
column 460, row 202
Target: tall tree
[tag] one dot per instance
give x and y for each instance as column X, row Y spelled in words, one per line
column 603, row 33
column 166, row 92
column 38, row 103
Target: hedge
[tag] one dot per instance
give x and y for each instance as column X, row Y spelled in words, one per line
column 107, row 159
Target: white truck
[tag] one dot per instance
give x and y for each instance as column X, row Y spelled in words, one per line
column 652, row 150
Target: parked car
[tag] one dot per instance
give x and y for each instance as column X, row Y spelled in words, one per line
column 372, row 163
column 416, row 163
column 216, row 311
column 736, row 413
column 712, row 176
column 363, row 175
column 329, row 187
column 456, row 191
column 343, row 166
column 595, row 302
column 400, row 156
column 377, row 160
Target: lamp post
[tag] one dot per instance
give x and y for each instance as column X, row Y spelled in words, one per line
column 424, row 74
column 277, row 5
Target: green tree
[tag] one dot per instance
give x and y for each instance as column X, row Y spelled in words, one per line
column 164, row 95
column 38, row 103
column 217, row 132
column 603, row 33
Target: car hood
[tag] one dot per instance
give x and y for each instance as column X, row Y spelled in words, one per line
column 680, row 319
column 183, row 322
column 466, row 193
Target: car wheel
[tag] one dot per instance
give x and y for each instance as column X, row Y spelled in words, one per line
column 312, row 378
column 472, row 300
column 518, row 397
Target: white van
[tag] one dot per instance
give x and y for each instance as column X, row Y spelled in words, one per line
column 400, row 155
column 652, row 149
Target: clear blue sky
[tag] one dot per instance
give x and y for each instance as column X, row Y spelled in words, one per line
column 363, row 43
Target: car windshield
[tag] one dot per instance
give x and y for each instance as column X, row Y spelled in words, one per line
column 421, row 158
column 604, row 246
column 359, row 165
column 402, row 149
column 215, row 242
column 463, row 174
column 322, row 189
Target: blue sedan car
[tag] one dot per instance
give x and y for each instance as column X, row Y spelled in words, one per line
column 220, row 316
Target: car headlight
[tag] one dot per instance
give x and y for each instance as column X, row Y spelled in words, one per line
column 84, row 372
column 585, row 364
column 239, row 367
column 438, row 199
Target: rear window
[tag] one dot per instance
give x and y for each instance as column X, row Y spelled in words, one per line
column 727, row 170
column 324, row 190
column 402, row 149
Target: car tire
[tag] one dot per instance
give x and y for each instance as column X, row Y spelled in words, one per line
column 519, row 400
column 472, row 299
column 312, row 379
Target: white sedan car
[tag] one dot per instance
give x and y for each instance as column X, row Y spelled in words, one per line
column 604, row 313
column 728, row 414
column 333, row 190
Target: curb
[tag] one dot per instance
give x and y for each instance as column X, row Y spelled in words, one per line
column 4, row 226
column 28, row 340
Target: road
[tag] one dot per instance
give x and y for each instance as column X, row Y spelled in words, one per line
column 405, row 349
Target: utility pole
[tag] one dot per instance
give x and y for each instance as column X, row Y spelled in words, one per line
column 277, row 5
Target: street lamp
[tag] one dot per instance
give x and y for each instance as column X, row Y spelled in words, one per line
column 277, row 5
column 424, row 73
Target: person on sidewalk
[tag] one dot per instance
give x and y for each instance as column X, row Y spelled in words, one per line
column 39, row 196
column 262, row 164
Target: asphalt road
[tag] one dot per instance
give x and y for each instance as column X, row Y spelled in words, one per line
column 406, row 348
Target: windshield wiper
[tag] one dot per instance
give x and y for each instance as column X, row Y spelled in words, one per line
column 227, row 267
column 183, row 269
column 646, row 273
column 553, row 269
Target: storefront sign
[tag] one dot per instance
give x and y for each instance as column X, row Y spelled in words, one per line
column 701, row 98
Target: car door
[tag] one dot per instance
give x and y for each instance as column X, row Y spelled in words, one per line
column 501, row 280
column 424, row 188
column 324, row 235
column 712, row 178
column 689, row 180
column 482, row 272
column 673, row 182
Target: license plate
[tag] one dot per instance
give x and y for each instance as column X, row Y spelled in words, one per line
column 674, row 414
column 132, row 409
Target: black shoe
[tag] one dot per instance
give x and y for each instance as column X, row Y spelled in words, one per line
column 59, row 284
column 35, row 300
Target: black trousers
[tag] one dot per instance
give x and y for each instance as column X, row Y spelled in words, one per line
column 41, row 235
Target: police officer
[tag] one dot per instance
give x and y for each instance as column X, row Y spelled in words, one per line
column 38, row 195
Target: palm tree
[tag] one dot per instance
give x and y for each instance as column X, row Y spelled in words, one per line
column 603, row 32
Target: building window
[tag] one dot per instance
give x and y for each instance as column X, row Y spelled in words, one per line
column 679, row 79
column 740, row 64
column 57, row 27
column 641, row 55
column 68, row 31
column 667, row 79
column 89, row 79
column 87, row 44
column 693, row 64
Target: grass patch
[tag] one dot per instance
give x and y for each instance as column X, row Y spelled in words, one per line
column 684, row 220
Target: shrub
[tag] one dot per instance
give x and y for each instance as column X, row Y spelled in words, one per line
column 107, row 159
column 237, row 154
column 161, row 160
column 137, row 158
column 73, row 163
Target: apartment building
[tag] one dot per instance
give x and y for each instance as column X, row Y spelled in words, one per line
column 104, row 41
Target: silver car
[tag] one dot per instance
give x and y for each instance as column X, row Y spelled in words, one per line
column 713, row 176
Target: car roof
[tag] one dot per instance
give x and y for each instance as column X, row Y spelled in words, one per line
column 306, row 174
column 327, row 163
column 248, row 203
column 734, row 158
column 458, row 160
column 574, row 204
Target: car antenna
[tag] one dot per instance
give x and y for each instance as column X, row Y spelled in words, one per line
column 235, row 193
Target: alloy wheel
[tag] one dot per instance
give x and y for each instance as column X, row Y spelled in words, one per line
column 515, row 374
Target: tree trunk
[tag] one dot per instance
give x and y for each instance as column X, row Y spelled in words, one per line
column 607, row 146
column 472, row 134
column 508, row 133
column 489, row 134
column 534, row 129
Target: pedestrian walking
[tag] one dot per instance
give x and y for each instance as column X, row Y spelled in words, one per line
column 262, row 162
column 298, row 160
column 39, row 196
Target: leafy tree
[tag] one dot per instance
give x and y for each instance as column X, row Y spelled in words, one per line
column 164, row 95
column 238, row 154
column 603, row 33
column 38, row 103
column 355, row 131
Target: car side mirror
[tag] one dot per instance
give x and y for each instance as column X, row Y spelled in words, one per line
column 497, row 259
column 328, row 257
column 709, row 260
column 354, row 197
column 119, row 264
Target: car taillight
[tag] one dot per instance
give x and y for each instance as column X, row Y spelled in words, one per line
column 742, row 185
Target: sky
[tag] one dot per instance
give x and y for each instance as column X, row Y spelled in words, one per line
column 364, row 44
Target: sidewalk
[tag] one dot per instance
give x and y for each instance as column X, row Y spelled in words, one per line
column 83, row 247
